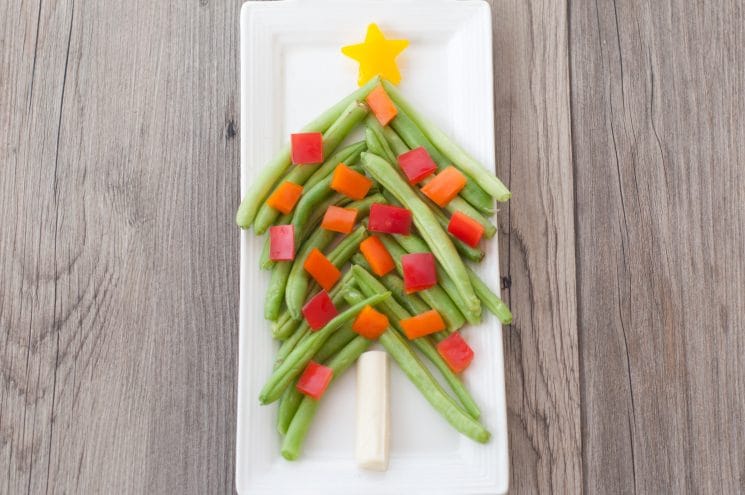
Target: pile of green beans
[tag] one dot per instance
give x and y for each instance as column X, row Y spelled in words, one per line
column 458, row 296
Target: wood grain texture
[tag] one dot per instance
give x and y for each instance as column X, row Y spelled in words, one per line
column 658, row 119
column 537, row 245
column 620, row 130
column 118, row 291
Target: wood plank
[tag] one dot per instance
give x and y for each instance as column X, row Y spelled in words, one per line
column 537, row 245
column 659, row 146
column 119, row 285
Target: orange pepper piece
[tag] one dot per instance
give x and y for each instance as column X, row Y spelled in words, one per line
column 370, row 323
column 445, row 186
column 422, row 324
column 381, row 105
column 321, row 269
column 377, row 256
column 338, row 219
column 285, row 197
column 350, row 183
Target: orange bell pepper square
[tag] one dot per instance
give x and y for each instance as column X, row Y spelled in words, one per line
column 381, row 105
column 338, row 219
column 350, row 183
column 370, row 323
column 445, row 186
column 422, row 324
column 321, row 269
column 285, row 197
column 377, row 256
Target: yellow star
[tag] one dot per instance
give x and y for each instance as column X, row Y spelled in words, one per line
column 377, row 56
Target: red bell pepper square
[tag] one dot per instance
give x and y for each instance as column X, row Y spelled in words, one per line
column 319, row 310
column 282, row 242
column 307, row 148
column 315, row 380
column 456, row 352
column 389, row 219
column 416, row 164
column 419, row 271
column 465, row 228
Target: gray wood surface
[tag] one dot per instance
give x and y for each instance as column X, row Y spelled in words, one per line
column 620, row 130
column 658, row 125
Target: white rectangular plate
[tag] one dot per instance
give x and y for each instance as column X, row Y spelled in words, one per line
column 291, row 70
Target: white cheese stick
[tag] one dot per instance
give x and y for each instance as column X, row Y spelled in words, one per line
column 373, row 411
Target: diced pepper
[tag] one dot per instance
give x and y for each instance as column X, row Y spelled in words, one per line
column 389, row 219
column 319, row 310
column 307, row 148
column 381, row 105
column 321, row 269
column 370, row 323
column 456, row 352
column 350, row 183
column 285, row 197
column 445, row 186
column 419, row 271
column 465, row 228
column 416, row 164
column 315, row 380
column 423, row 324
column 338, row 219
column 281, row 242
column 377, row 256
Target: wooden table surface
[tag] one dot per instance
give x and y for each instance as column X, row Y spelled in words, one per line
column 620, row 130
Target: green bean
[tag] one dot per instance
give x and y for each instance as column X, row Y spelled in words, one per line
column 300, row 329
column 308, row 204
column 307, row 348
column 291, row 336
column 492, row 302
column 373, row 145
column 464, row 420
column 436, row 238
column 336, row 342
column 305, row 413
column 298, row 281
column 288, row 404
column 394, row 141
column 414, row 138
column 330, row 165
column 435, row 296
column 347, row 247
column 472, row 253
column 414, row 244
column 270, row 174
column 412, row 302
column 488, row 181
column 276, row 290
column 374, row 126
column 352, row 116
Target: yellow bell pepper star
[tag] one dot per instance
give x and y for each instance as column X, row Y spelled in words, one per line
column 377, row 56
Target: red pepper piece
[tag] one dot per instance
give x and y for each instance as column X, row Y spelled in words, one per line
column 416, row 165
column 465, row 228
column 319, row 310
column 282, row 242
column 389, row 219
column 419, row 271
column 456, row 352
column 307, row 148
column 315, row 380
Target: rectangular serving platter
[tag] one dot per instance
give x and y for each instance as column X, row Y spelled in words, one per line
column 291, row 70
